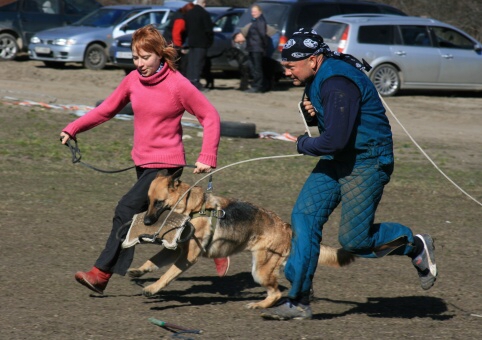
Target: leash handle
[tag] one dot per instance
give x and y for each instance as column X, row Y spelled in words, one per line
column 77, row 156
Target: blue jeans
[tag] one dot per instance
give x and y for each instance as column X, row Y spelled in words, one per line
column 358, row 184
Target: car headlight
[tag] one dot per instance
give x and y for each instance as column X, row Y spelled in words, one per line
column 63, row 42
column 35, row 40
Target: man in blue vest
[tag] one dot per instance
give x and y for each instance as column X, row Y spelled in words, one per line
column 356, row 160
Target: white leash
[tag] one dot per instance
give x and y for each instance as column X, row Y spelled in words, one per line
column 425, row 154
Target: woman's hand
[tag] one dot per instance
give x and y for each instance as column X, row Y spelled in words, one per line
column 64, row 137
column 200, row 168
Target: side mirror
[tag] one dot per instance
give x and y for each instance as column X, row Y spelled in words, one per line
column 217, row 29
column 478, row 48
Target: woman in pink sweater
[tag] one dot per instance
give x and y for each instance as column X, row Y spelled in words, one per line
column 159, row 96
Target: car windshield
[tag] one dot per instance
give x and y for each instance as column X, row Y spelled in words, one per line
column 275, row 15
column 104, row 17
column 80, row 7
column 330, row 31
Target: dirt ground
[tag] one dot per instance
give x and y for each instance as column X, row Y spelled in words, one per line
column 50, row 216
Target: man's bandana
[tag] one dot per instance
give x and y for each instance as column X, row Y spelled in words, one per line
column 305, row 43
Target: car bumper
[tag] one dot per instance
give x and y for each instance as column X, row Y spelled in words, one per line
column 56, row 53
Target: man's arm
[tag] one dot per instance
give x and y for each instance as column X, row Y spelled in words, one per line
column 341, row 103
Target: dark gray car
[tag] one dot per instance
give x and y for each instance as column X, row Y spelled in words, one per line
column 21, row 19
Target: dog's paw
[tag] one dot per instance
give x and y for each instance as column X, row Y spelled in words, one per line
column 253, row 305
column 149, row 291
column 134, row 272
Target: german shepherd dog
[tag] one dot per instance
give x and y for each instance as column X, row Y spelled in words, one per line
column 240, row 226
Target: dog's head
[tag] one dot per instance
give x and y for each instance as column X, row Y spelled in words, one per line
column 163, row 194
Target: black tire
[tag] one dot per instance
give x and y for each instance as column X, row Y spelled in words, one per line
column 236, row 129
column 126, row 110
column 95, row 57
column 54, row 64
column 8, row 47
column 386, row 79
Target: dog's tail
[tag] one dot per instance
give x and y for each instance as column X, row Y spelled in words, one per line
column 334, row 257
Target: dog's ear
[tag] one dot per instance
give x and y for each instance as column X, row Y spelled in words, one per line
column 175, row 179
column 177, row 174
column 162, row 173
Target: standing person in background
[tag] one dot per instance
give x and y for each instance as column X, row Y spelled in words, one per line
column 355, row 148
column 200, row 37
column 159, row 95
column 175, row 33
column 257, row 47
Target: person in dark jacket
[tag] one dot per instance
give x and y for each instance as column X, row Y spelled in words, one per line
column 175, row 33
column 355, row 151
column 257, row 46
column 200, row 37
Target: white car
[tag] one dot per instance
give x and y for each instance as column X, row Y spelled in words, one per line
column 407, row 52
column 87, row 41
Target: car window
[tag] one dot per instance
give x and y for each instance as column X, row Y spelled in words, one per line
column 448, row 38
column 415, row 35
column 9, row 6
column 275, row 15
column 141, row 21
column 228, row 22
column 31, row 6
column 377, row 34
column 312, row 13
column 80, row 7
column 330, row 31
column 105, row 17
column 51, row 7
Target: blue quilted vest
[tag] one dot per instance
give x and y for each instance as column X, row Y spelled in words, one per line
column 372, row 136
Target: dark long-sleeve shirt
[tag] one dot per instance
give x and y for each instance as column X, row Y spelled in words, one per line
column 341, row 104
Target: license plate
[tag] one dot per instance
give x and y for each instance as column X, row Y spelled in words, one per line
column 42, row 50
column 123, row 55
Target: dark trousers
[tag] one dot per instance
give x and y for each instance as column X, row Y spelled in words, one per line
column 113, row 258
column 195, row 65
column 256, row 60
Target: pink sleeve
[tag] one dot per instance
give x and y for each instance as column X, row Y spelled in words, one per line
column 198, row 105
column 102, row 113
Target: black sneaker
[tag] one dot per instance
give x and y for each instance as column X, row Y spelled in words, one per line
column 425, row 262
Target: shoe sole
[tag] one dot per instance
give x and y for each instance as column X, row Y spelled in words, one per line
column 87, row 284
column 432, row 267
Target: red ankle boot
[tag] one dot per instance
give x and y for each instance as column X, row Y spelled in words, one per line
column 222, row 265
column 95, row 279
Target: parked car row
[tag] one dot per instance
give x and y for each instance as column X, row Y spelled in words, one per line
column 407, row 52
column 21, row 19
column 87, row 41
column 224, row 19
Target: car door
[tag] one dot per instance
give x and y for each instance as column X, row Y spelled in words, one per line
column 140, row 20
column 417, row 58
column 460, row 63
column 39, row 15
column 223, row 33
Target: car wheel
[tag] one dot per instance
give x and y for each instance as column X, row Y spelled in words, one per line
column 235, row 129
column 386, row 80
column 8, row 47
column 54, row 64
column 95, row 57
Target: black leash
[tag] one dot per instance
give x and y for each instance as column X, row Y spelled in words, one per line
column 77, row 156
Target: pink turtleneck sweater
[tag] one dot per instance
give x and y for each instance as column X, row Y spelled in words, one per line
column 158, row 103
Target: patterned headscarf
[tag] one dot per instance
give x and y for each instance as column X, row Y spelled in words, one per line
column 305, row 43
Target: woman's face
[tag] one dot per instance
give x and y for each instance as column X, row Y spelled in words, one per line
column 255, row 12
column 147, row 63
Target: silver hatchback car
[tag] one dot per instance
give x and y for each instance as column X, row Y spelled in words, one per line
column 407, row 52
